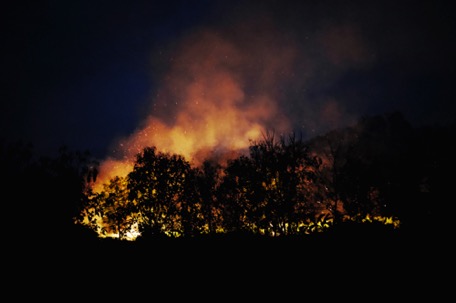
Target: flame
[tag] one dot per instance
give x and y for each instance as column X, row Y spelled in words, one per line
column 217, row 96
column 221, row 92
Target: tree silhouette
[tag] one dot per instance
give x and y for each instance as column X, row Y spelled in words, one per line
column 331, row 149
column 207, row 182
column 362, row 165
column 285, row 186
column 64, row 181
column 110, row 211
column 45, row 193
column 432, row 162
column 271, row 190
column 157, row 188
column 234, row 193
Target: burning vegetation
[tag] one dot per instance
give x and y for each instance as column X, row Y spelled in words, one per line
column 204, row 162
column 281, row 186
column 380, row 170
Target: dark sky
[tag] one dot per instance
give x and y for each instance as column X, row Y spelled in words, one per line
column 89, row 74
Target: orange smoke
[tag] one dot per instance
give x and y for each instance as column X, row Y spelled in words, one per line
column 217, row 96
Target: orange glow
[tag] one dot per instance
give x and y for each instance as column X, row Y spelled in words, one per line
column 215, row 98
column 111, row 168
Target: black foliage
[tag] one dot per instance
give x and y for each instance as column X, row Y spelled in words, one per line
column 381, row 164
column 44, row 194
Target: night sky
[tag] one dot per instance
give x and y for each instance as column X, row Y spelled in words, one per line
column 98, row 75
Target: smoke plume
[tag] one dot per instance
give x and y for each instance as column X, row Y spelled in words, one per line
column 219, row 93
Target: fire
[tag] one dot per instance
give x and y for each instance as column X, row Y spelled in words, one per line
column 216, row 97
column 218, row 94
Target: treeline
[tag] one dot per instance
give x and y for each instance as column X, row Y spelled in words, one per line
column 42, row 194
column 381, row 170
column 381, row 167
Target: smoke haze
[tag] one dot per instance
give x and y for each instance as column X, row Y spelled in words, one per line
column 274, row 66
column 202, row 78
column 218, row 95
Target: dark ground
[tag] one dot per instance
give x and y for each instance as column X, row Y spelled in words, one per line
column 360, row 263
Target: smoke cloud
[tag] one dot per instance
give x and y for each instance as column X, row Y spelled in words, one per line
column 223, row 87
column 217, row 96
